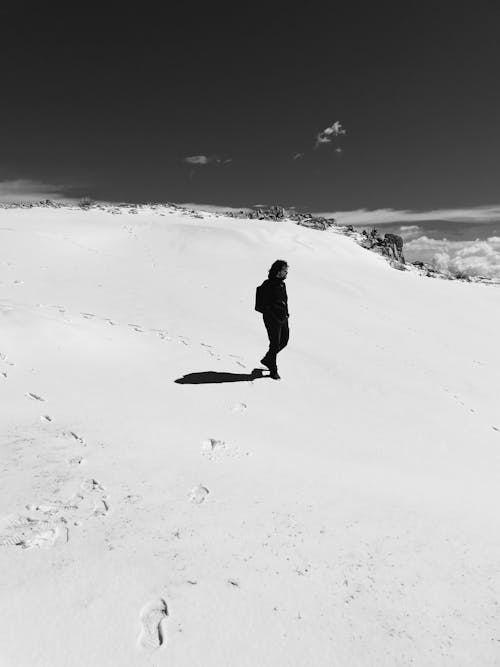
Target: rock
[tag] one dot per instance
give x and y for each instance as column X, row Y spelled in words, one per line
column 394, row 245
column 277, row 213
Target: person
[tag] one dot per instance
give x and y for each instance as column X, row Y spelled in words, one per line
column 275, row 314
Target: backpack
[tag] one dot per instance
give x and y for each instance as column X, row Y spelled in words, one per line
column 260, row 298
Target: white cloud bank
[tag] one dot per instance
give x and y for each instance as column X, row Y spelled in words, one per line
column 480, row 257
column 474, row 258
column 26, row 190
column 363, row 216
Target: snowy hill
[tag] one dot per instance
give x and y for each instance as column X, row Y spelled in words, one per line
column 346, row 515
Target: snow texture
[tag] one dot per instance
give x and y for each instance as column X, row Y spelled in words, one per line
column 162, row 501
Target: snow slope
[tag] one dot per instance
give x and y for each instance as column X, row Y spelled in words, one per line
column 347, row 515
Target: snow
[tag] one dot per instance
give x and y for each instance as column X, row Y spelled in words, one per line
column 345, row 515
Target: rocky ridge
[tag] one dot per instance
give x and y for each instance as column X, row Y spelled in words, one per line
column 390, row 246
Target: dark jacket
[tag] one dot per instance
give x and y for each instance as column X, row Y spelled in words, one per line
column 275, row 299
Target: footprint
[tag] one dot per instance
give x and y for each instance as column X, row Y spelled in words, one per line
column 495, row 428
column 75, row 436
column 53, row 507
column 199, row 494
column 76, row 461
column 161, row 333
column 42, row 538
column 101, row 508
column 24, row 532
column 91, row 485
column 34, row 397
column 152, row 615
column 46, row 418
column 87, row 316
column 75, row 510
column 132, row 498
column 4, row 374
column 239, row 407
column 211, row 447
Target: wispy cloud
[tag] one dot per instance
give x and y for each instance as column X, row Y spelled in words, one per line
column 380, row 216
column 27, row 190
column 202, row 160
column 197, row 159
column 330, row 133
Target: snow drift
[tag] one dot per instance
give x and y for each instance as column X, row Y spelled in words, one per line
column 346, row 515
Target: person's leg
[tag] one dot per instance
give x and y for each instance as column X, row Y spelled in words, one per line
column 284, row 334
column 273, row 328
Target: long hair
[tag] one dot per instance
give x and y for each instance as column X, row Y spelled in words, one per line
column 276, row 268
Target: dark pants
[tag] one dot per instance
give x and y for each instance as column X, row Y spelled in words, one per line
column 278, row 333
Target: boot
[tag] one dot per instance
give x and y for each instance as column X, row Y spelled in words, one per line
column 265, row 361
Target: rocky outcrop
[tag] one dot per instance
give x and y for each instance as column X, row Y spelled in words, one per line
column 391, row 245
column 45, row 203
column 394, row 245
column 315, row 222
column 278, row 213
column 271, row 213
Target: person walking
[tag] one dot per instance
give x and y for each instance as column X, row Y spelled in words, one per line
column 274, row 308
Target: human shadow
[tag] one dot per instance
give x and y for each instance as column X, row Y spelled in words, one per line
column 213, row 377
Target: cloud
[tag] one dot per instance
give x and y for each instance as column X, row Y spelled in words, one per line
column 27, row 190
column 409, row 232
column 329, row 133
column 474, row 258
column 202, row 160
column 363, row 216
column 197, row 159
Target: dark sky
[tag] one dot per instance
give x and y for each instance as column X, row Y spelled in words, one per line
column 108, row 102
